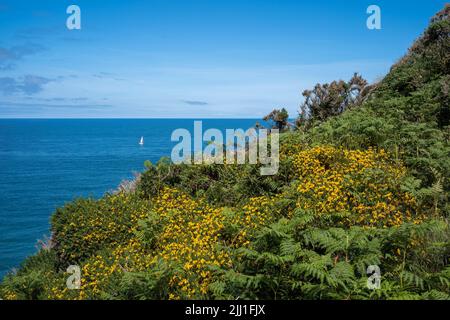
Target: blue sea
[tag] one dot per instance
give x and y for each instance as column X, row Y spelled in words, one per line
column 45, row 163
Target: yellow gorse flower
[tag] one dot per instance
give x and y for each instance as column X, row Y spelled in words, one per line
column 364, row 184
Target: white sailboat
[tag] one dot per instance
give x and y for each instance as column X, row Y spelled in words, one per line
column 141, row 142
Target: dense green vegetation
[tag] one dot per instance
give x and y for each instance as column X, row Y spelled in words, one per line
column 363, row 180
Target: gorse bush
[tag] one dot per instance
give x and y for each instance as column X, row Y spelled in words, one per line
column 85, row 226
column 363, row 185
column 364, row 182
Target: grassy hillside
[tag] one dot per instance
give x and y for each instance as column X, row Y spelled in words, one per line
column 367, row 185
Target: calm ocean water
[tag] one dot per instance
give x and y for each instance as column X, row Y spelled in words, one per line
column 45, row 163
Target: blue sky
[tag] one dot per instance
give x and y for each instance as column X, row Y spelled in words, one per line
column 191, row 58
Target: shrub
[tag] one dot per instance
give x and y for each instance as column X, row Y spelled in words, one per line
column 83, row 227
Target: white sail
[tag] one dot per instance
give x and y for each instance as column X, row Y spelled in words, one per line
column 141, row 142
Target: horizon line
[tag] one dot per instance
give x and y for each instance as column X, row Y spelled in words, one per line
column 126, row 118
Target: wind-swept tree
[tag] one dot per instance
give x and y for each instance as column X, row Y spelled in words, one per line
column 331, row 99
column 279, row 118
